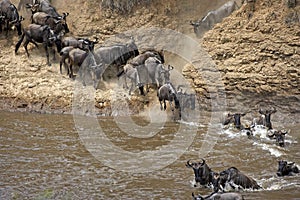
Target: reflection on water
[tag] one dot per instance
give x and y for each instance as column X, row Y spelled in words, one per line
column 43, row 157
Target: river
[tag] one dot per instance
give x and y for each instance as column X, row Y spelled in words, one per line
column 48, row 156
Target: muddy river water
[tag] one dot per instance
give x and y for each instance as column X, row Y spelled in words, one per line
column 51, row 157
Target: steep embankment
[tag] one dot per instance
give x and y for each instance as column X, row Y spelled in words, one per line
column 257, row 52
column 254, row 52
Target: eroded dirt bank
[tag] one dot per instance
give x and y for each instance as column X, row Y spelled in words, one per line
column 255, row 53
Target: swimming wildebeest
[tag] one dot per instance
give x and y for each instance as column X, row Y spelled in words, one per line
column 10, row 15
column 35, row 33
column 56, row 24
column 234, row 178
column 213, row 17
column 165, row 93
column 278, row 135
column 235, row 119
column 286, row 169
column 265, row 118
column 219, row 196
column 203, row 174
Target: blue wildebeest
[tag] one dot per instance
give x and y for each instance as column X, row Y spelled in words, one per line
column 235, row 119
column 35, row 33
column 43, row 6
column 167, row 92
column 76, row 56
column 117, row 54
column 58, row 25
column 186, row 100
column 265, row 118
column 68, row 44
column 213, row 17
column 132, row 73
column 74, row 42
column 154, row 72
column 203, row 174
column 90, row 68
column 141, row 58
column 234, row 178
column 286, row 169
column 219, row 196
column 278, row 135
column 11, row 16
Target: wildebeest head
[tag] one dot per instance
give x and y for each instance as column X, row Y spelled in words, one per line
column 11, row 15
column 235, row 119
column 267, row 116
column 285, row 168
column 279, row 136
column 201, row 171
column 33, row 7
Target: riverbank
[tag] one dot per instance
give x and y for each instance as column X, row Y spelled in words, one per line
column 255, row 54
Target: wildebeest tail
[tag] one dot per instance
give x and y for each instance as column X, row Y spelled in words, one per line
column 19, row 42
column 120, row 73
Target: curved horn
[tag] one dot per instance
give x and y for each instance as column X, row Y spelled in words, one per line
column 188, row 164
column 273, row 110
column 203, row 161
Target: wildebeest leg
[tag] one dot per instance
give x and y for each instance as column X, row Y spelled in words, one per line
column 54, row 56
column 170, row 102
column 70, row 70
column 47, row 54
column 131, row 87
column 160, row 102
column 25, row 46
column 165, row 105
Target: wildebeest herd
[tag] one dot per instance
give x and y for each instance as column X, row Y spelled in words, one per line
column 233, row 179
column 49, row 28
column 146, row 68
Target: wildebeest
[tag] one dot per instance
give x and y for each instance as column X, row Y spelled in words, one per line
column 132, row 73
column 117, row 54
column 213, row 17
column 39, row 34
column 219, row 196
column 86, row 61
column 286, row 169
column 186, row 100
column 23, row 4
column 165, row 93
column 279, row 135
column 43, row 6
column 141, row 58
column 74, row 42
column 64, row 53
column 234, row 178
column 11, row 16
column 154, row 72
column 203, row 174
column 56, row 24
column 235, row 119
column 265, row 118
column 90, row 68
